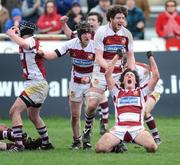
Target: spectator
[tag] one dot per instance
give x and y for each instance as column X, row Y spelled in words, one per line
column 143, row 4
column 16, row 17
column 91, row 4
column 50, row 22
column 135, row 20
column 4, row 15
column 32, row 9
column 120, row 2
column 168, row 22
column 63, row 6
column 102, row 9
column 9, row 5
column 75, row 15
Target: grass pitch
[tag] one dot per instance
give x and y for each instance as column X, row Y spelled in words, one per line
column 61, row 137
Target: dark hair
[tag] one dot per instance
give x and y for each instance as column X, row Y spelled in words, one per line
column 27, row 28
column 45, row 6
column 99, row 17
column 75, row 4
column 174, row 1
column 136, row 77
column 83, row 27
column 112, row 11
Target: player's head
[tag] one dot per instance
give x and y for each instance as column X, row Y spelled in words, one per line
column 27, row 28
column 95, row 20
column 83, row 31
column 129, row 79
column 116, row 15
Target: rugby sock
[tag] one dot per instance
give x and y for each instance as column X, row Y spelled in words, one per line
column 88, row 121
column 77, row 139
column 9, row 145
column 105, row 113
column 1, row 135
column 44, row 135
column 6, row 135
column 17, row 132
column 152, row 127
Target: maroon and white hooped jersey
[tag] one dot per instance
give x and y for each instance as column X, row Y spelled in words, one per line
column 82, row 58
column 129, row 105
column 33, row 65
column 109, row 42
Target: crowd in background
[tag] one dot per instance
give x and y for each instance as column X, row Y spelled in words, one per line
column 47, row 13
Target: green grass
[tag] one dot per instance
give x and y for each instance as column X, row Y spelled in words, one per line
column 60, row 134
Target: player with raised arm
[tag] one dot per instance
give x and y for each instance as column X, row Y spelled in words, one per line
column 108, row 39
column 81, row 51
column 35, row 85
column 144, row 73
column 129, row 103
column 95, row 21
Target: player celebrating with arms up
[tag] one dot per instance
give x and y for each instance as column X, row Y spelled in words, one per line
column 81, row 50
column 129, row 106
column 35, row 86
column 108, row 39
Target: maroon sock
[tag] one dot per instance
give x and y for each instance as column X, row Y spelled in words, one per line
column 152, row 126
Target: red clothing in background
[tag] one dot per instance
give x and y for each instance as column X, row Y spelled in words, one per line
column 50, row 21
column 162, row 21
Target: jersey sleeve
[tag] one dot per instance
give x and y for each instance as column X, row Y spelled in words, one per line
column 98, row 39
column 145, row 90
column 31, row 42
column 61, row 51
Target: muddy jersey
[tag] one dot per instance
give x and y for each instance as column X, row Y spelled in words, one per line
column 33, row 65
column 82, row 58
column 129, row 105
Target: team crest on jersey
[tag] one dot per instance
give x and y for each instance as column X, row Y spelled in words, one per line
column 73, row 54
column 73, row 94
column 96, row 81
column 135, row 93
column 123, row 41
column 90, row 56
column 108, row 41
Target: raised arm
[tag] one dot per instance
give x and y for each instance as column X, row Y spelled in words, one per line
column 130, row 60
column 109, row 79
column 108, row 74
column 49, row 55
column 130, row 53
column 13, row 35
column 155, row 72
column 67, row 31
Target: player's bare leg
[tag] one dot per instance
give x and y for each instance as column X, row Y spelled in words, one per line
column 106, row 143
column 75, row 108
column 93, row 100
column 145, row 139
column 149, row 119
column 104, row 114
